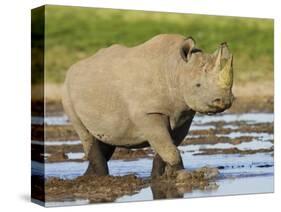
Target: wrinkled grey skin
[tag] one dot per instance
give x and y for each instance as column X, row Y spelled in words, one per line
column 145, row 95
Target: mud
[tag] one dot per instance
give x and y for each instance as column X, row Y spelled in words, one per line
column 216, row 151
column 95, row 189
column 132, row 154
column 107, row 189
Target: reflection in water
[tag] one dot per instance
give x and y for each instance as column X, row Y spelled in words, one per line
column 176, row 190
column 171, row 190
column 165, row 191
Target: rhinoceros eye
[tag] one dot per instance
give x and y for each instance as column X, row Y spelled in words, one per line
column 198, row 85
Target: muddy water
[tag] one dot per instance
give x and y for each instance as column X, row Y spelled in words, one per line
column 240, row 173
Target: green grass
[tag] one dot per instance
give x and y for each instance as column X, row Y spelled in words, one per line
column 73, row 33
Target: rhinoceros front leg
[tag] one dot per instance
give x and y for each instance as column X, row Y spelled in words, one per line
column 155, row 128
column 178, row 135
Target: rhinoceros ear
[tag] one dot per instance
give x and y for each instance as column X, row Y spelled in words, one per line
column 186, row 48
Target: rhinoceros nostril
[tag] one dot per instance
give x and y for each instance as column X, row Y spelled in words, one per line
column 217, row 102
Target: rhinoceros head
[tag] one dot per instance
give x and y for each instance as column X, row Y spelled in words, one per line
column 207, row 78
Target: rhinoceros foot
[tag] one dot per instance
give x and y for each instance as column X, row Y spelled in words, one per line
column 208, row 173
column 204, row 173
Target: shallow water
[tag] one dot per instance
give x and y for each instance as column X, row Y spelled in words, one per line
column 239, row 173
column 195, row 148
column 246, row 185
column 50, row 120
column 229, row 165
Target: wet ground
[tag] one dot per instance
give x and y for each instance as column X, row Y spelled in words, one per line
column 239, row 144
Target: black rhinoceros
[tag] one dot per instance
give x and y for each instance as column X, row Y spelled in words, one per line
column 145, row 95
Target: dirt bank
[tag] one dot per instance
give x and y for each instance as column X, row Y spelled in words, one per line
column 96, row 189
column 216, row 151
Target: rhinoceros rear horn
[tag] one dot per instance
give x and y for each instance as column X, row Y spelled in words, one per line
column 186, row 48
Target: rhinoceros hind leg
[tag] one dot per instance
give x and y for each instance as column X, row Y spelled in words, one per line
column 98, row 156
column 95, row 151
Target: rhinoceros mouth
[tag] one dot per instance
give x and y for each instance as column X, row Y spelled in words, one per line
column 208, row 113
column 212, row 110
column 218, row 109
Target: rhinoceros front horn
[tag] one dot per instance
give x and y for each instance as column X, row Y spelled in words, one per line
column 224, row 64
